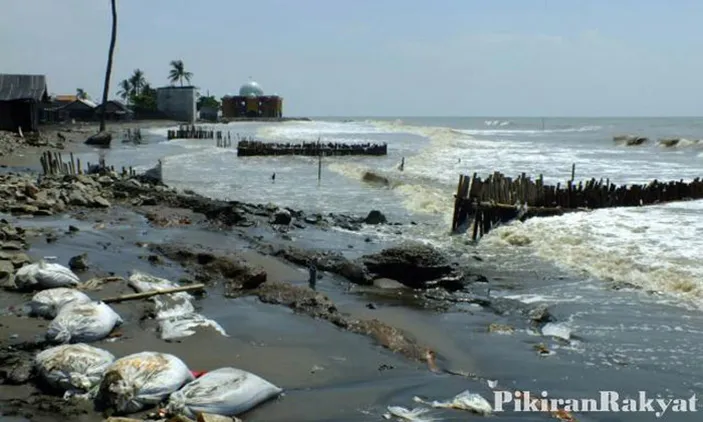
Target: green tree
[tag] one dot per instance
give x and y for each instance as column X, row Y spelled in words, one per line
column 108, row 71
column 126, row 90
column 137, row 81
column 207, row 101
column 81, row 94
column 178, row 72
column 145, row 100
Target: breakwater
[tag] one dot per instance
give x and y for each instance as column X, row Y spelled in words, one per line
column 481, row 204
column 196, row 132
column 248, row 148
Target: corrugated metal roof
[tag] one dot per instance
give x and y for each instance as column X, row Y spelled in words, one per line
column 87, row 102
column 22, row 87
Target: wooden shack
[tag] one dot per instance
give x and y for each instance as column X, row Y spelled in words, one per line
column 20, row 99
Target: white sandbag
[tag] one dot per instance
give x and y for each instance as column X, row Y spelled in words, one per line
column 174, row 312
column 44, row 275
column 224, row 391
column 136, row 381
column 82, row 322
column 73, row 367
column 47, row 303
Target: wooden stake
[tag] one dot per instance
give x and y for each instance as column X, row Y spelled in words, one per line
column 144, row 295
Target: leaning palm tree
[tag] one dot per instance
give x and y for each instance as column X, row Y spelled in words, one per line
column 178, row 72
column 108, row 71
column 138, row 81
column 81, row 94
column 126, row 90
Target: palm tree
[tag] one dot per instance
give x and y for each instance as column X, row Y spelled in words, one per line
column 126, row 90
column 137, row 81
column 178, row 72
column 81, row 94
column 108, row 71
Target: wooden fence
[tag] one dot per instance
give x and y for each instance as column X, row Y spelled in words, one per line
column 313, row 149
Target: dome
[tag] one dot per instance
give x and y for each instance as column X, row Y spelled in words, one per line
column 251, row 88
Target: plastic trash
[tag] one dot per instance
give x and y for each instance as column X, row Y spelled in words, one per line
column 174, row 312
column 44, row 275
column 142, row 379
column 465, row 400
column 224, row 391
column 82, row 322
column 73, row 367
column 47, row 303
column 418, row 414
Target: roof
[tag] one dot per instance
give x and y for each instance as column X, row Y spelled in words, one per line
column 251, row 88
column 119, row 104
column 87, row 103
column 22, row 87
column 65, row 98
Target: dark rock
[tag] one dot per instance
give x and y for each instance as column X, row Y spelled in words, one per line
column 282, row 216
column 79, row 262
column 73, row 229
column 155, row 259
column 100, row 139
column 540, row 314
column 375, row 217
column 415, row 265
column 6, row 271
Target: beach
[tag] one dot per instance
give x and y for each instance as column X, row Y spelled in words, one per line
column 611, row 295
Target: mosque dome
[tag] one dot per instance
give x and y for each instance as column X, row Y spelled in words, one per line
column 250, row 89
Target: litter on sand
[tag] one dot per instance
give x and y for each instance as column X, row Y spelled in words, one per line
column 142, row 379
column 44, row 275
column 224, row 391
column 174, row 311
column 465, row 400
column 82, row 322
column 72, row 367
column 47, row 303
column 418, row 414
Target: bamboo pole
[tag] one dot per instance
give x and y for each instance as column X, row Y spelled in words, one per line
column 144, row 295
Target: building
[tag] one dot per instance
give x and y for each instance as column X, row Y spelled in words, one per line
column 252, row 102
column 209, row 114
column 21, row 97
column 63, row 100
column 114, row 110
column 80, row 109
column 177, row 102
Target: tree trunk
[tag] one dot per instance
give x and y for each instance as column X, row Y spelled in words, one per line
column 181, row 78
column 108, row 71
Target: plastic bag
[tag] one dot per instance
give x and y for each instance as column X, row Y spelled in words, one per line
column 73, row 367
column 174, row 312
column 82, row 322
column 225, row 391
column 136, row 381
column 44, row 275
column 47, row 303
column 465, row 400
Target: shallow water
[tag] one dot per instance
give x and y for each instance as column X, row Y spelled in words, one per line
column 626, row 340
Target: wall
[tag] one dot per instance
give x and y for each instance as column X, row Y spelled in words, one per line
column 177, row 102
column 19, row 113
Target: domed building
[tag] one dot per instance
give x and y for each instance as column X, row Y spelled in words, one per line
column 252, row 102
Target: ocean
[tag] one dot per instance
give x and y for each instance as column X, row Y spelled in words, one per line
column 625, row 283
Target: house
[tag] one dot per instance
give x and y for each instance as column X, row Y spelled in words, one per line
column 20, row 100
column 63, row 100
column 80, row 109
column 114, row 110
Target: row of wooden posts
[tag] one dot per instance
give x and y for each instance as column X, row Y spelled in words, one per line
column 195, row 132
column 312, row 149
column 481, row 204
column 53, row 164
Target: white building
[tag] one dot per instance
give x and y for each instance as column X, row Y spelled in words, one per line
column 177, row 102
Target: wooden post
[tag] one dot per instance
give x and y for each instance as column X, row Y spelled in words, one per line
column 573, row 171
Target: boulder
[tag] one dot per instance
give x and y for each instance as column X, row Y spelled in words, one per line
column 375, row 217
column 102, row 139
column 413, row 264
column 78, row 262
column 282, row 217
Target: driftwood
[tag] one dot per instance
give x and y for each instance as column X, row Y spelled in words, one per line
column 143, row 295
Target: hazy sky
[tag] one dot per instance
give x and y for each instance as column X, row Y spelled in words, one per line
column 382, row 57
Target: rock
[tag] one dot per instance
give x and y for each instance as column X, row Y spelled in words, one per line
column 105, row 180
column 387, row 283
column 540, row 314
column 11, row 245
column 76, row 198
column 73, row 229
column 79, row 262
column 208, row 417
column 415, row 265
column 7, row 269
column 20, row 373
column 24, row 209
column 239, row 274
column 101, row 202
column 121, row 419
column 282, row 217
column 20, row 259
column 375, row 217
column 100, row 139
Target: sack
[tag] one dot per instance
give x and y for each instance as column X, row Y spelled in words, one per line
column 42, row 275
column 225, row 391
column 73, row 367
column 174, row 312
column 47, row 303
column 136, row 381
column 82, row 322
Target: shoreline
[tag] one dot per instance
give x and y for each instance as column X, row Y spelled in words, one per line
column 101, row 201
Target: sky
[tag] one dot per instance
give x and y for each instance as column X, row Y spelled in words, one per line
column 381, row 57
